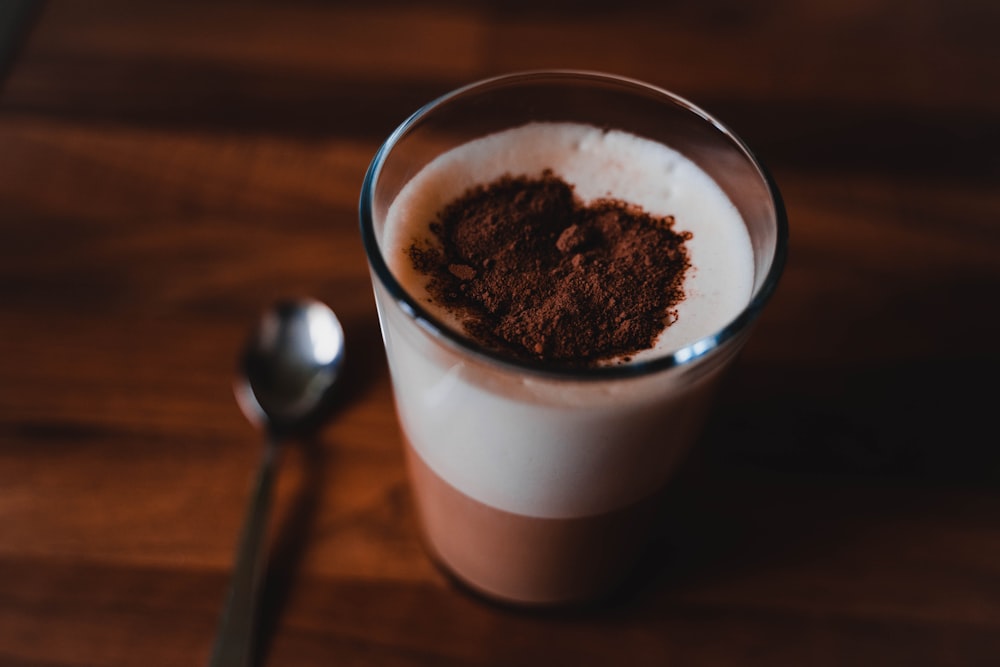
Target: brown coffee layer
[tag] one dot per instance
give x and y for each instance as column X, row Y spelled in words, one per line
column 522, row 559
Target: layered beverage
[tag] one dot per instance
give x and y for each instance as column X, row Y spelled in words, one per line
column 537, row 440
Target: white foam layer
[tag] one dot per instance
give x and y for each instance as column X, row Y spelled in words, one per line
column 598, row 164
column 557, row 449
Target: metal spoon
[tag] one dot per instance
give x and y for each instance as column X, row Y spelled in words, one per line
column 287, row 372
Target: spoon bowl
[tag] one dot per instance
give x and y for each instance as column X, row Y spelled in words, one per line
column 288, row 370
column 290, row 365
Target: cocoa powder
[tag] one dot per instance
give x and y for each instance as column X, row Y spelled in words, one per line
column 533, row 273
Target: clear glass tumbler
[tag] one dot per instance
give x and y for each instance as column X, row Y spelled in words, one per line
column 537, row 485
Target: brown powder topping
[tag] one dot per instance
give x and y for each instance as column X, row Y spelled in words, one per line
column 533, row 273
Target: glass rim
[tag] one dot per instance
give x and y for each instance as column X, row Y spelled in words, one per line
column 686, row 355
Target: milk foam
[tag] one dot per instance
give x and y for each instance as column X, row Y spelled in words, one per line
column 554, row 448
column 598, row 164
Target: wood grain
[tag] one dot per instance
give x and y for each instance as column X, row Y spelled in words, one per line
column 169, row 169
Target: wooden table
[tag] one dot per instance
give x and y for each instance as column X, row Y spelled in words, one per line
column 169, row 169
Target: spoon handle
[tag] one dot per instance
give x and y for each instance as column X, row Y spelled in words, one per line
column 235, row 640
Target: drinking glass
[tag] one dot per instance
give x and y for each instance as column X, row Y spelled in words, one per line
column 539, row 485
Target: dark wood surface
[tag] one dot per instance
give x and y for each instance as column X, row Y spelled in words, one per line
column 169, row 169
